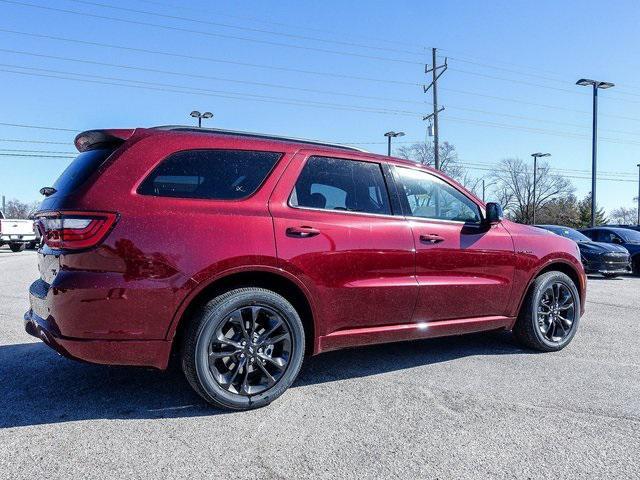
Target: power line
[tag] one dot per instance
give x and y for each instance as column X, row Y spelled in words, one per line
column 488, row 169
column 531, row 75
column 284, row 101
column 293, row 70
column 22, row 140
column 22, row 125
column 261, row 20
column 205, row 77
column 33, row 155
column 198, row 91
column 287, row 87
column 243, row 28
column 20, row 150
column 209, row 59
column 385, row 40
column 538, row 85
column 210, row 34
column 533, row 104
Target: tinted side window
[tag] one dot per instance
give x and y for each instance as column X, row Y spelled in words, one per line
column 336, row 184
column 429, row 197
column 211, row 174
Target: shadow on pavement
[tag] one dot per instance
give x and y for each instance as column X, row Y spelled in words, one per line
column 37, row 386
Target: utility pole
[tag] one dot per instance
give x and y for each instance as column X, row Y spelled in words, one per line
column 4, row 205
column 435, row 75
column 483, row 189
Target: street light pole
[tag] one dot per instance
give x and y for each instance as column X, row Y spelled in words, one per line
column 638, row 195
column 389, row 135
column 200, row 116
column 595, row 84
column 535, row 179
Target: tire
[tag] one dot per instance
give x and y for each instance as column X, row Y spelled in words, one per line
column 529, row 326
column 229, row 317
column 17, row 247
column 610, row 275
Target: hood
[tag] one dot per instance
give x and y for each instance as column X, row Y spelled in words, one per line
column 599, row 247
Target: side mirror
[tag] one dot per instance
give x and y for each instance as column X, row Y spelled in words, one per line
column 494, row 213
column 617, row 240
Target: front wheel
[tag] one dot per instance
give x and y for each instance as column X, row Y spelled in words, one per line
column 550, row 313
column 244, row 348
column 17, row 247
column 610, row 275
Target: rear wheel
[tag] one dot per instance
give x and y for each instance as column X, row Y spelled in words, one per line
column 243, row 349
column 550, row 313
column 17, row 247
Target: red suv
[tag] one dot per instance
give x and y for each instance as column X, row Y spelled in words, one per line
column 242, row 252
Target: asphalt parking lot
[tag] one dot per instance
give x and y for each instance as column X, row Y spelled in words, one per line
column 466, row 407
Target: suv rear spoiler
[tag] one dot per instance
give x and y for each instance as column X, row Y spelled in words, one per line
column 94, row 139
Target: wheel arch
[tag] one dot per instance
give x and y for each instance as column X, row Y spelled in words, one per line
column 558, row 265
column 272, row 279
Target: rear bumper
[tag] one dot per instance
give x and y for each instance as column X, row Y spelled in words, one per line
column 143, row 353
column 24, row 238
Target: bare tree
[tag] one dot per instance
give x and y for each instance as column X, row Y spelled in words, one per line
column 17, row 209
column 624, row 216
column 513, row 188
column 423, row 153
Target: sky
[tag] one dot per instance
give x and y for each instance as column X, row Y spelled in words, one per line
column 336, row 71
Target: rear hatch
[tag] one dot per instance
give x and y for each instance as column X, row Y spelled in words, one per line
column 65, row 229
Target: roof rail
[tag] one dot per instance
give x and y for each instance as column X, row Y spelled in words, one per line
column 264, row 136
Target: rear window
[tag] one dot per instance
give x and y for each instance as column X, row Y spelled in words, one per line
column 80, row 170
column 210, row 174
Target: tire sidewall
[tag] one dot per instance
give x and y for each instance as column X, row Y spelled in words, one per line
column 213, row 318
column 539, row 290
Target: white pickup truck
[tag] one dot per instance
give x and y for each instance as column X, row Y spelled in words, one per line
column 17, row 233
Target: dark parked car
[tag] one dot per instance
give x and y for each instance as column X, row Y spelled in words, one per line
column 607, row 259
column 630, row 227
column 625, row 237
column 241, row 252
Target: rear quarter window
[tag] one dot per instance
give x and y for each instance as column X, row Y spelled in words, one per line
column 210, row 174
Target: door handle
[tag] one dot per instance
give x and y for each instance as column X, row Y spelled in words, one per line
column 302, row 232
column 431, row 238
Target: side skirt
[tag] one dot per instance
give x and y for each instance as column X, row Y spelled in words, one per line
column 410, row 331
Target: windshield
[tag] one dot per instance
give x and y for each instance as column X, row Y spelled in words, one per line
column 574, row 235
column 630, row 236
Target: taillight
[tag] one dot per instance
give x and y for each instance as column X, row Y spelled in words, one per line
column 75, row 230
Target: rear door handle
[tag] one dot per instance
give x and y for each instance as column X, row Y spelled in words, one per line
column 431, row 238
column 302, row 232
